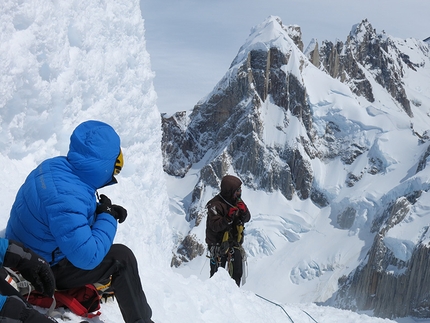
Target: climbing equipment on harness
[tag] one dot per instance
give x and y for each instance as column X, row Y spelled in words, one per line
column 214, row 256
column 230, row 260
column 239, row 229
column 225, row 244
column 16, row 280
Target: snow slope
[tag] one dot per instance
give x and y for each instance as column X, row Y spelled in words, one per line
column 66, row 62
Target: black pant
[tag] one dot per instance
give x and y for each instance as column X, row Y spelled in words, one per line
column 121, row 264
column 232, row 258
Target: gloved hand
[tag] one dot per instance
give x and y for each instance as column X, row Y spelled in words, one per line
column 105, row 206
column 31, row 266
column 105, row 200
column 232, row 213
column 241, row 206
column 121, row 213
column 17, row 310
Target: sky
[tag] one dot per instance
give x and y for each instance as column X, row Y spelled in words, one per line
column 193, row 42
column 63, row 63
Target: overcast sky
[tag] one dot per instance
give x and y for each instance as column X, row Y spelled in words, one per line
column 193, row 42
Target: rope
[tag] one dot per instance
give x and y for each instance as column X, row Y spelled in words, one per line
column 231, row 205
column 309, row 316
column 285, row 310
column 276, row 305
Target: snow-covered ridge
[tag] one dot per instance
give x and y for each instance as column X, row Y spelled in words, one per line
column 269, row 34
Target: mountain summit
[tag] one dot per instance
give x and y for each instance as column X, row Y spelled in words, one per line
column 332, row 146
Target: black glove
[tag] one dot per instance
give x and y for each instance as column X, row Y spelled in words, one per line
column 31, row 266
column 121, row 213
column 106, row 206
column 105, row 200
column 16, row 310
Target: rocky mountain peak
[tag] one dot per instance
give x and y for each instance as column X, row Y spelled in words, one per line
column 316, row 129
column 362, row 33
column 271, row 33
column 365, row 58
column 231, row 118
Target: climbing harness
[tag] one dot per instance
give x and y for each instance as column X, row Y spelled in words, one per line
column 217, row 252
column 214, row 255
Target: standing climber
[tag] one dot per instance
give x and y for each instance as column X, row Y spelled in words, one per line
column 227, row 214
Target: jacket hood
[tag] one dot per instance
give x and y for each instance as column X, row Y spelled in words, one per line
column 229, row 184
column 94, row 147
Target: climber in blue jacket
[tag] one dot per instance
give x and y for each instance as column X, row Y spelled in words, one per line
column 35, row 270
column 58, row 214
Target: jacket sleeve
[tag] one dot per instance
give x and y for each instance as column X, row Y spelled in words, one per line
column 4, row 244
column 84, row 245
column 2, row 301
column 217, row 221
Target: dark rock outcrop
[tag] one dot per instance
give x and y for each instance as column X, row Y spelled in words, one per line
column 389, row 286
column 365, row 50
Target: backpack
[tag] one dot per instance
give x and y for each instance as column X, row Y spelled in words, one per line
column 82, row 301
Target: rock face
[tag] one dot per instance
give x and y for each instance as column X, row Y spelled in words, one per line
column 376, row 53
column 267, row 89
column 390, row 286
column 386, row 283
column 228, row 128
column 176, row 144
column 230, row 124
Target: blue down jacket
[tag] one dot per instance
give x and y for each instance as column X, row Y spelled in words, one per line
column 54, row 210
